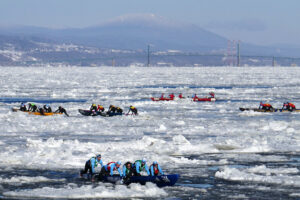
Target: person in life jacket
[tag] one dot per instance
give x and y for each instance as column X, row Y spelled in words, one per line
column 112, row 109
column 194, row 97
column 47, row 108
column 265, row 106
column 119, row 110
column 93, row 107
column 288, row 106
column 171, row 96
column 133, row 110
column 108, row 170
column 32, row 107
column 155, row 169
column 140, row 165
column 212, row 95
column 127, row 170
column 41, row 110
column 91, row 164
column 100, row 108
column 180, row 96
column 162, row 96
column 23, row 107
column 61, row 110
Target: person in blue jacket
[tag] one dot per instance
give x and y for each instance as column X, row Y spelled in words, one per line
column 155, row 169
column 91, row 164
column 108, row 170
column 140, row 165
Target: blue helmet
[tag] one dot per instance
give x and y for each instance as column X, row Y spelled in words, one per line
column 98, row 156
column 144, row 160
column 155, row 163
column 48, row 105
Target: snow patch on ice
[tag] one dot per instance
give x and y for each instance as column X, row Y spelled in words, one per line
column 72, row 191
column 261, row 174
column 18, row 180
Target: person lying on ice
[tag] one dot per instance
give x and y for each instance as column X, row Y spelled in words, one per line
column 108, row 170
column 91, row 164
column 155, row 169
column 140, row 165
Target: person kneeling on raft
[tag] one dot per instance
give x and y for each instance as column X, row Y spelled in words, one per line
column 140, row 165
column 288, row 106
column 108, row 170
column 91, row 164
column 155, row 169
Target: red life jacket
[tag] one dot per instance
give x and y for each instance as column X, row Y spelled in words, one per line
column 180, row 96
column 108, row 166
column 172, row 96
column 292, row 105
column 155, row 169
column 266, row 105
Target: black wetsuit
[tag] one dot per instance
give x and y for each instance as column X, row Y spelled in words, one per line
column 129, row 172
column 47, row 109
column 61, row 110
column 87, row 168
column 32, row 108
column 133, row 110
column 23, row 108
column 119, row 110
column 93, row 108
column 41, row 110
column 112, row 109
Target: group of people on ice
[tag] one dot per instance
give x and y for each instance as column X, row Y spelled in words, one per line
column 268, row 107
column 126, row 171
column 112, row 109
column 41, row 109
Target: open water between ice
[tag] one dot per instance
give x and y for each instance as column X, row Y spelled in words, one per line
column 219, row 151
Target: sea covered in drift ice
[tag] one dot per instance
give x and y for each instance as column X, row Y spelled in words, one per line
column 219, row 151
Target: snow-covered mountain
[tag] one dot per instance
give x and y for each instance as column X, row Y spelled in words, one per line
column 131, row 32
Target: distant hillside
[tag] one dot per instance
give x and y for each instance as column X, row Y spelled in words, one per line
column 121, row 37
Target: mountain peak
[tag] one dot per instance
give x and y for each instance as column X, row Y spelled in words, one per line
column 142, row 19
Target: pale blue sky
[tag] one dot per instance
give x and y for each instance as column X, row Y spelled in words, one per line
column 256, row 21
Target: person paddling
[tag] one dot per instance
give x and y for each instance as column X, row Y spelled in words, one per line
column 265, row 107
column 61, row 110
column 155, row 169
column 288, row 106
column 140, row 165
column 108, row 170
column 91, row 164
column 133, row 110
column 23, row 107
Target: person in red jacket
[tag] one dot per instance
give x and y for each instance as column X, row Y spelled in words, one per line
column 266, row 106
column 288, row 106
column 171, row 96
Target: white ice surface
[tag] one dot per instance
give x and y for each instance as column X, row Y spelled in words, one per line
column 164, row 131
column 72, row 191
column 281, row 176
column 18, row 180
